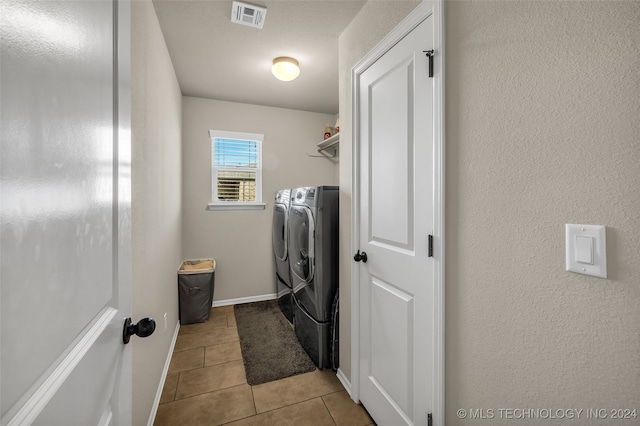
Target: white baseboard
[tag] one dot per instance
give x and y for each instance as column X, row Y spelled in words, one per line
column 345, row 382
column 244, row 300
column 156, row 402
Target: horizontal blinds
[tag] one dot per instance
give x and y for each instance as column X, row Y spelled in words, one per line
column 235, row 153
column 236, row 164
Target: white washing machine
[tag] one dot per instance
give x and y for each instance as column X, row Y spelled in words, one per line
column 313, row 262
column 280, row 232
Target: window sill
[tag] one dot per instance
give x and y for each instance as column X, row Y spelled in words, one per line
column 236, row 206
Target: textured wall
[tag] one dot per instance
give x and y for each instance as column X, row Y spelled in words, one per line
column 374, row 21
column 240, row 240
column 156, row 205
column 543, row 129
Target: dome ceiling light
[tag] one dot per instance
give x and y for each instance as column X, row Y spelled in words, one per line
column 285, row 68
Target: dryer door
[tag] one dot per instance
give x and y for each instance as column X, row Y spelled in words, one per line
column 279, row 236
column 301, row 244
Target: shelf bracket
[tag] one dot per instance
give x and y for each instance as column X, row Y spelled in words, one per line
column 326, row 144
column 322, row 154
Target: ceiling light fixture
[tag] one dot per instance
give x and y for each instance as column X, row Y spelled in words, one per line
column 285, row 68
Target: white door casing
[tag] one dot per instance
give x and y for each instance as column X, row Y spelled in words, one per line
column 65, row 213
column 398, row 294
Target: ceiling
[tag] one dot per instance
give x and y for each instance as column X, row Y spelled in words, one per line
column 217, row 59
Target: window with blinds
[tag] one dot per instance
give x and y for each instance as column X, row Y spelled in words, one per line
column 236, row 170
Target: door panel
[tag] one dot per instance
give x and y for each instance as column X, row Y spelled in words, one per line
column 391, row 148
column 396, row 140
column 55, row 185
column 65, row 170
column 93, row 395
column 392, row 342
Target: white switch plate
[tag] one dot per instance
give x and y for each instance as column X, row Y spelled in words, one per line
column 586, row 249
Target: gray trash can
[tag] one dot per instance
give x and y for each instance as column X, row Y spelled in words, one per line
column 196, row 279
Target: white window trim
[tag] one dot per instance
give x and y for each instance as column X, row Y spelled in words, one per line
column 237, row 205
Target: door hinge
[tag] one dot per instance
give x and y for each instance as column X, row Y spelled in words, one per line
column 430, row 54
column 429, row 419
column 430, row 245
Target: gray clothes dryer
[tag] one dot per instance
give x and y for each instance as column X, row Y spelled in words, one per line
column 279, row 239
column 313, row 261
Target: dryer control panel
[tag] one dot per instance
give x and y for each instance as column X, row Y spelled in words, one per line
column 304, row 195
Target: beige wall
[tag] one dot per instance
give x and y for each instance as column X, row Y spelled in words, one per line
column 374, row 21
column 543, row 129
column 240, row 240
column 156, row 207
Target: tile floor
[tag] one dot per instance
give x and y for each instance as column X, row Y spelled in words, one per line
column 206, row 385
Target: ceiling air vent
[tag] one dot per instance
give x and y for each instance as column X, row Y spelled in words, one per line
column 248, row 14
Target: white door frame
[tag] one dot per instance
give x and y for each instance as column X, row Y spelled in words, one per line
column 424, row 10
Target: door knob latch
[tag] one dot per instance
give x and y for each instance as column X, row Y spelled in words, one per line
column 144, row 328
column 360, row 257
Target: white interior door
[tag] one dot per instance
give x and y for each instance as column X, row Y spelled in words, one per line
column 65, row 170
column 398, row 285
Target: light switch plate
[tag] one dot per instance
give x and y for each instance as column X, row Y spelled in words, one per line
column 586, row 251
